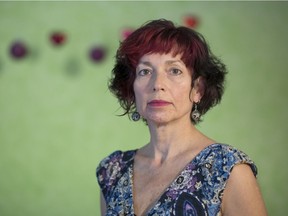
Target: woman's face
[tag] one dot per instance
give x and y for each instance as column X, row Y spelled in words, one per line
column 162, row 89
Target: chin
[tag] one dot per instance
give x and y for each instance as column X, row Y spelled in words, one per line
column 157, row 120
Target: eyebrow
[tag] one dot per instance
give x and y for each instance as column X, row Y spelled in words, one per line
column 168, row 62
column 145, row 63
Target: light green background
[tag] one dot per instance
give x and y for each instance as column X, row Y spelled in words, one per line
column 55, row 127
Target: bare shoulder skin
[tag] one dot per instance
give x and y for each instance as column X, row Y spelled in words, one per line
column 242, row 195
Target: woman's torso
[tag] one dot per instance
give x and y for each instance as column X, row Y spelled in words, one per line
column 197, row 190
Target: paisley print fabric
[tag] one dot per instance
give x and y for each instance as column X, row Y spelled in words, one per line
column 196, row 191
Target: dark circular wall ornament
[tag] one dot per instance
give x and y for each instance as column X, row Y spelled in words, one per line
column 58, row 38
column 97, row 54
column 18, row 50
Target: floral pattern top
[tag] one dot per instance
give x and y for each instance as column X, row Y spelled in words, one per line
column 197, row 190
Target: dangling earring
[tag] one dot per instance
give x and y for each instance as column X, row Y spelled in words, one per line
column 195, row 115
column 135, row 116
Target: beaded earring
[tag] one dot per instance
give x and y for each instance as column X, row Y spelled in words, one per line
column 195, row 115
column 135, row 116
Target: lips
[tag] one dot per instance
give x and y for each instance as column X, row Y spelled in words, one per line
column 158, row 103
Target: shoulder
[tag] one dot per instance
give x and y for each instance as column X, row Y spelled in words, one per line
column 114, row 160
column 215, row 165
column 112, row 167
column 242, row 194
column 224, row 157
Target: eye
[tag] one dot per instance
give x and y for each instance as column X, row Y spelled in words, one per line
column 175, row 71
column 144, row 72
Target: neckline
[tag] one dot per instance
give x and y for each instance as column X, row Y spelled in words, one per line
column 151, row 206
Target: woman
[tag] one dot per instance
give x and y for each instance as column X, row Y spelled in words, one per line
column 167, row 76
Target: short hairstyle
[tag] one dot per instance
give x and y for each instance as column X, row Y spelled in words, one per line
column 162, row 36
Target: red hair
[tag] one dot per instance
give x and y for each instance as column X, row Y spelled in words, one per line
column 162, row 36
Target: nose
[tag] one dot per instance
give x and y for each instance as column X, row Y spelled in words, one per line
column 158, row 83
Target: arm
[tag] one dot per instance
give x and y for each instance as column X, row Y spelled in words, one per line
column 242, row 195
column 102, row 204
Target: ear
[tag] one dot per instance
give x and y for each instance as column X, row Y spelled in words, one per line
column 198, row 89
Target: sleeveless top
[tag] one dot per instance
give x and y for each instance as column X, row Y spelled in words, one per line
column 197, row 190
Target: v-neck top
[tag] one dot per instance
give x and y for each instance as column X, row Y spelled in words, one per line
column 197, row 190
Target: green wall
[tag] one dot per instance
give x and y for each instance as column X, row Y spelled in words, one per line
column 58, row 120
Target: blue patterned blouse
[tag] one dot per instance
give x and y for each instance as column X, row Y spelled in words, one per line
column 197, row 190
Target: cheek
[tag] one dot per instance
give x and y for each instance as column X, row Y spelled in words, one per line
column 184, row 94
column 135, row 89
column 184, row 89
column 138, row 93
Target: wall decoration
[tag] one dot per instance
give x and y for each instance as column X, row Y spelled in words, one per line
column 191, row 21
column 126, row 32
column 72, row 67
column 97, row 53
column 18, row 50
column 58, row 38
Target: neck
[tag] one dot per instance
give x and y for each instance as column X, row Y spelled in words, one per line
column 169, row 141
